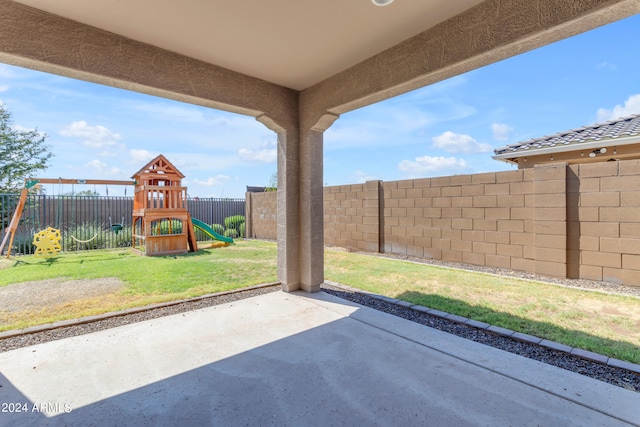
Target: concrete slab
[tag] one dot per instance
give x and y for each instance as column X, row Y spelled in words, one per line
column 294, row 359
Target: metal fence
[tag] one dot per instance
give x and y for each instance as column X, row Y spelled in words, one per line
column 214, row 211
column 87, row 222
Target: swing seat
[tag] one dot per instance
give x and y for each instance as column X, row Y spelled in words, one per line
column 116, row 228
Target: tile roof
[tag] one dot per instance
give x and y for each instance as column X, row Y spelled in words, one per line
column 611, row 130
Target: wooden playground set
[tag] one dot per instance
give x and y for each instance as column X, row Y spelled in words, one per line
column 161, row 223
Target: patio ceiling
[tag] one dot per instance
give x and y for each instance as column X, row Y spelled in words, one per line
column 294, row 44
column 275, row 58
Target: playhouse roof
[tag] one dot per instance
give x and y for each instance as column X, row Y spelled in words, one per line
column 159, row 164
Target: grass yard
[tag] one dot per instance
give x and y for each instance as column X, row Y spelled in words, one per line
column 607, row 324
column 595, row 321
column 145, row 280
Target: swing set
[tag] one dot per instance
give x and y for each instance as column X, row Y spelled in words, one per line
column 161, row 223
column 32, row 182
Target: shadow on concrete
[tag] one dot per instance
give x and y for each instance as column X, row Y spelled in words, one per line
column 15, row 408
column 348, row 370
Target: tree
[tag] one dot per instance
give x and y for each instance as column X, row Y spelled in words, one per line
column 22, row 153
column 273, row 183
column 91, row 193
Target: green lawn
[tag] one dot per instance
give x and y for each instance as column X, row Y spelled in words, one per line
column 595, row 321
column 243, row 264
column 607, row 324
column 146, row 280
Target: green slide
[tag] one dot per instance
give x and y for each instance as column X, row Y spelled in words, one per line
column 209, row 231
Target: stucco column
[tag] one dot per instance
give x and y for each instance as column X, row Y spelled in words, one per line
column 288, row 221
column 311, row 211
column 300, row 204
column 288, row 232
column 312, row 204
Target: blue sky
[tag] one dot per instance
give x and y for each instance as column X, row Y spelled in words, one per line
column 447, row 128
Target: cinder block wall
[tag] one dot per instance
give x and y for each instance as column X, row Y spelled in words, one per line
column 261, row 215
column 483, row 219
column 579, row 221
column 604, row 221
column 352, row 216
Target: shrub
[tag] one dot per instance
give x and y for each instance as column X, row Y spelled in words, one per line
column 123, row 238
column 23, row 243
column 86, row 236
column 200, row 235
column 242, row 229
column 233, row 221
column 231, row 232
column 166, row 226
column 218, row 228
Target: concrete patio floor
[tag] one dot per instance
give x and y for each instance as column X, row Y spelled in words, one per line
column 294, row 359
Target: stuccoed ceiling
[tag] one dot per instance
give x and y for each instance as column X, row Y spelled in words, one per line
column 292, row 43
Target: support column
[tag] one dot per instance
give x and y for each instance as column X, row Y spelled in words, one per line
column 288, row 219
column 312, row 204
column 300, row 204
column 311, row 211
column 288, row 231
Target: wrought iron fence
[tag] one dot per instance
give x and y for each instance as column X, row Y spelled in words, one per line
column 95, row 222
column 214, row 211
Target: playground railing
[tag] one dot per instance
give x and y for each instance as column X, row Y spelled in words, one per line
column 87, row 222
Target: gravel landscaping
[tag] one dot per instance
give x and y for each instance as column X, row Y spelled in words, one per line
column 616, row 376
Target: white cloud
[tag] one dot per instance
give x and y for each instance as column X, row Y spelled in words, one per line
column 92, row 136
column 21, row 128
column 97, row 164
column 102, row 169
column 606, row 65
column 404, row 119
column 266, row 154
column 631, row 106
column 459, row 143
column 260, row 156
column 185, row 113
column 107, row 153
column 173, row 111
column 213, row 181
column 501, row 131
column 140, row 156
column 362, row 177
column 431, row 166
column 7, row 72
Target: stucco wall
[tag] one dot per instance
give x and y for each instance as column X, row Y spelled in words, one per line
column 580, row 221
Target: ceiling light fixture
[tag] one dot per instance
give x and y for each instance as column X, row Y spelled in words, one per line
column 382, row 2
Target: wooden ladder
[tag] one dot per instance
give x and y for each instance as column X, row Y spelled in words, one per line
column 15, row 220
